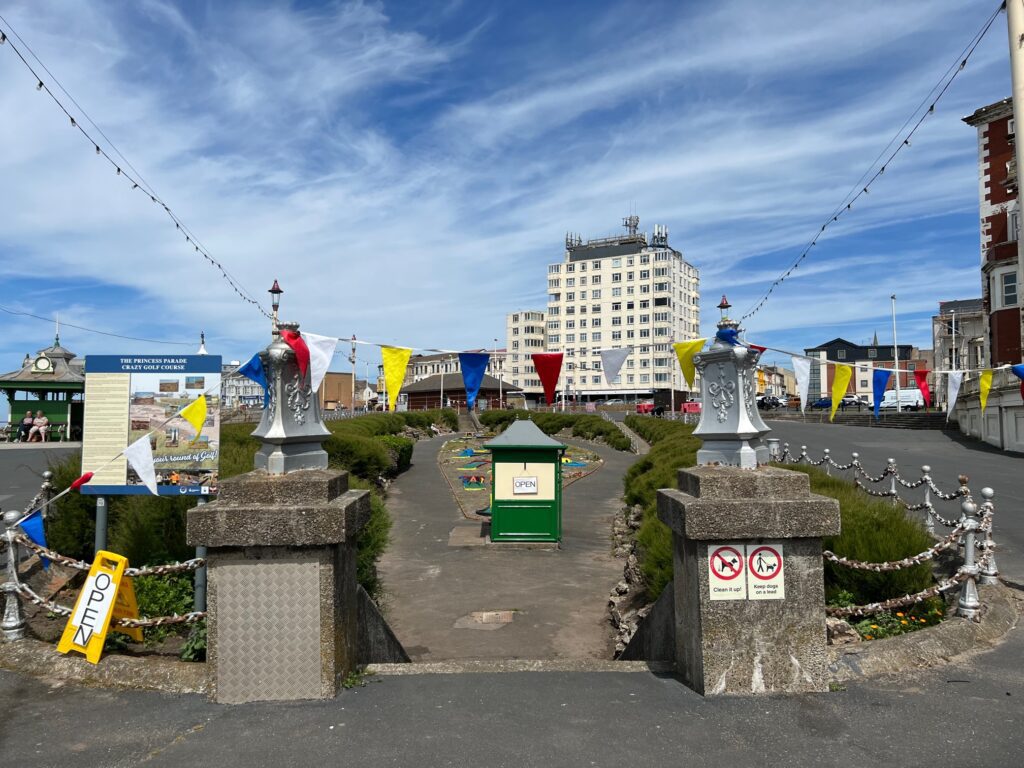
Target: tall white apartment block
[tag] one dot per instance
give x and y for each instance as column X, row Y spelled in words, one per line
column 632, row 290
column 524, row 334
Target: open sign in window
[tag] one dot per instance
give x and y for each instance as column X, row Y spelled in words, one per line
column 524, row 486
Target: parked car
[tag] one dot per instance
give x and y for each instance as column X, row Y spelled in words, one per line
column 793, row 401
column 910, row 400
column 768, row 402
column 615, row 401
column 854, row 401
column 825, row 402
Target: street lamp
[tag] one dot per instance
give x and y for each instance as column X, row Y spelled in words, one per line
column 275, row 301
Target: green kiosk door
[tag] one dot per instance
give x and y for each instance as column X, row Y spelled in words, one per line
column 526, row 484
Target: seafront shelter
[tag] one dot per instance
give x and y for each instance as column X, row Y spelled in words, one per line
column 51, row 381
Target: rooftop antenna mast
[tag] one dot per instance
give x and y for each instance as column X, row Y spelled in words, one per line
column 631, row 223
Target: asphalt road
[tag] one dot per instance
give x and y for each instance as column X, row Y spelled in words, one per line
column 948, row 454
column 964, row 713
column 21, row 469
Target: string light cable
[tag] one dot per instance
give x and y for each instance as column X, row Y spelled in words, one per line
column 123, row 167
column 897, row 144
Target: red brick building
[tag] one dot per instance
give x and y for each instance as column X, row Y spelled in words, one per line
column 1001, row 272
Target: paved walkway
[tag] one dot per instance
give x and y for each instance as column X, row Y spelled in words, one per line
column 21, row 467
column 559, row 598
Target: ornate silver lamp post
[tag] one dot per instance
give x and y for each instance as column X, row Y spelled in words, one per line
column 730, row 424
column 291, row 428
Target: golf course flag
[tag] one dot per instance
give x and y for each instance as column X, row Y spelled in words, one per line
column 549, row 366
column 984, row 386
column 396, row 360
column 195, row 414
column 840, row 381
column 685, row 350
column 473, row 365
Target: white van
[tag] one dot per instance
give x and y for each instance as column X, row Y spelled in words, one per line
column 911, row 399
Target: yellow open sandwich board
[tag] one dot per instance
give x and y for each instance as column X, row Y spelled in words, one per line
column 106, row 594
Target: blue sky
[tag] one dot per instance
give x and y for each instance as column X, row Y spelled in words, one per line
column 407, row 170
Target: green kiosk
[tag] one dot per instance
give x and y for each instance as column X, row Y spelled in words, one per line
column 526, row 484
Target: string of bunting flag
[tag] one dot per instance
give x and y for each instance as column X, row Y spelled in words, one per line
column 314, row 353
column 878, row 167
column 122, row 168
column 881, row 376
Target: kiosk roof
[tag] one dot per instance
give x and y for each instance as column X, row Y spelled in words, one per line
column 523, row 434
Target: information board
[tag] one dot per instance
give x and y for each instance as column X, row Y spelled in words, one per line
column 127, row 396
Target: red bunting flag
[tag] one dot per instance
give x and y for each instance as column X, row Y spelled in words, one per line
column 921, row 377
column 81, row 481
column 294, row 340
column 758, row 347
column 549, row 366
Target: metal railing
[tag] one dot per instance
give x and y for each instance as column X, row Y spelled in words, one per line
column 13, row 624
column 971, row 530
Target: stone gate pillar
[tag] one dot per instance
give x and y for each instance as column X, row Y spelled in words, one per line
column 748, row 582
column 748, row 571
column 283, row 601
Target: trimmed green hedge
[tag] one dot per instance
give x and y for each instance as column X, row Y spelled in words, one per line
column 873, row 531
column 149, row 530
column 585, row 425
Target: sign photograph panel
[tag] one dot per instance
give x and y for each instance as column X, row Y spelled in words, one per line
column 128, row 396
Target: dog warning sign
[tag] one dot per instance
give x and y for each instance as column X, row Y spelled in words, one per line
column 725, row 572
column 765, row 579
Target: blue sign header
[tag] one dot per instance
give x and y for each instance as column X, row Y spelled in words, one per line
column 152, row 364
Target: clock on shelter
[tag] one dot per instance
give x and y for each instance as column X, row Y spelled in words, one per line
column 526, row 484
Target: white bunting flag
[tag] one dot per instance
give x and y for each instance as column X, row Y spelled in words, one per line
column 321, row 352
column 140, row 457
column 611, row 362
column 956, row 378
column 802, row 369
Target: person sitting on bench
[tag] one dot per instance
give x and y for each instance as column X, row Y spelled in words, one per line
column 39, row 426
column 25, row 427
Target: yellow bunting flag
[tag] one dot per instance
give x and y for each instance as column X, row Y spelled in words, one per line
column 195, row 414
column 840, row 381
column 396, row 359
column 685, row 350
column 984, row 385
